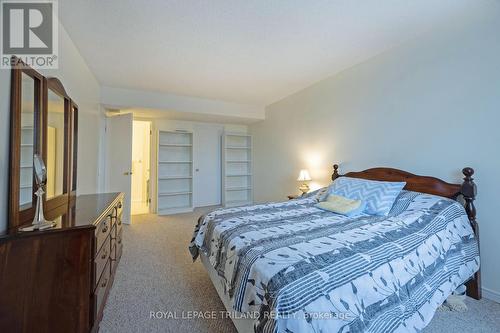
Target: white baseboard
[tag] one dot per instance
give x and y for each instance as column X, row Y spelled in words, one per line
column 491, row 295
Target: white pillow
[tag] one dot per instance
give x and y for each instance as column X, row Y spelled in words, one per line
column 379, row 196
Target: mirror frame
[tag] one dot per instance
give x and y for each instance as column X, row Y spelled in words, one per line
column 73, row 157
column 17, row 216
column 57, row 87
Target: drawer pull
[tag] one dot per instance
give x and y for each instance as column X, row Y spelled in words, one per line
column 104, row 255
column 120, row 205
column 104, row 283
column 105, row 229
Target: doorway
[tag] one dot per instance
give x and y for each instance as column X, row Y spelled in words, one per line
column 141, row 164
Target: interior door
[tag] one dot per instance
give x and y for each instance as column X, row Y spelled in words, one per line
column 119, row 158
column 207, row 165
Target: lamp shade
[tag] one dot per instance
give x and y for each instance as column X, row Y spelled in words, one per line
column 304, row 176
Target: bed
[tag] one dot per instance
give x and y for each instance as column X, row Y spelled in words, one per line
column 291, row 267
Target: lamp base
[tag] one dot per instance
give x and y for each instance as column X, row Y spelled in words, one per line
column 304, row 188
column 39, row 221
column 39, row 226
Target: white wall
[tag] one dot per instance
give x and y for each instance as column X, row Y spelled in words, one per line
column 82, row 86
column 431, row 106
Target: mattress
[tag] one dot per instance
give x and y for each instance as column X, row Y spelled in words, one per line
column 303, row 269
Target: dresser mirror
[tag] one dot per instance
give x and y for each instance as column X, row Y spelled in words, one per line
column 74, row 145
column 44, row 121
column 28, row 140
column 55, row 145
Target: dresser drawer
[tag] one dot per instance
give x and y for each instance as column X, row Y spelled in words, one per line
column 113, row 257
column 118, row 244
column 101, row 259
column 117, row 230
column 102, row 232
column 118, row 251
column 118, row 221
column 114, row 215
column 113, row 235
column 119, row 234
column 100, row 291
column 119, row 209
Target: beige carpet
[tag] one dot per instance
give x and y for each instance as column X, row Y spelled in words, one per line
column 156, row 274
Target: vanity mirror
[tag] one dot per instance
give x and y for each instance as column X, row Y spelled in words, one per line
column 28, row 139
column 44, row 121
column 25, row 140
column 55, row 144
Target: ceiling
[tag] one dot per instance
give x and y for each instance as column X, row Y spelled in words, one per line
column 253, row 52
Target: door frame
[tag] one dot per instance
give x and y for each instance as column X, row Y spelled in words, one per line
column 150, row 160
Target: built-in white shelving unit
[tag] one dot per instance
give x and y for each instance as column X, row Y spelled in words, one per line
column 237, row 180
column 175, row 172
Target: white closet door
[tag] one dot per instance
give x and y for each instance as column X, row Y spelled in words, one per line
column 207, row 165
column 119, row 158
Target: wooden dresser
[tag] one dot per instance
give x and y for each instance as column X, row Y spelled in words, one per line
column 58, row 280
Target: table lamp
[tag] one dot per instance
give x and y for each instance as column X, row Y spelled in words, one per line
column 304, row 177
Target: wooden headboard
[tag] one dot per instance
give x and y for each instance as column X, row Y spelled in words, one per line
column 415, row 183
column 425, row 184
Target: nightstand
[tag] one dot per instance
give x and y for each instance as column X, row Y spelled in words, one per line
column 293, row 196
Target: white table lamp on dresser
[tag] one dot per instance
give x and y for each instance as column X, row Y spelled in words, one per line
column 304, row 177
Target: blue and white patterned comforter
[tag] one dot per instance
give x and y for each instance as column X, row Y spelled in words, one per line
column 303, row 269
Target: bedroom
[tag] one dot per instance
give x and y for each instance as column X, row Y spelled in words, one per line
column 272, row 94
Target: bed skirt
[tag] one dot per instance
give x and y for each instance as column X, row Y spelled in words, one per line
column 243, row 325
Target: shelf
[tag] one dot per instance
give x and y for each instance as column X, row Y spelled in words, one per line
column 237, row 147
column 237, row 169
column 174, row 177
column 173, row 193
column 238, row 188
column 26, row 167
column 174, row 210
column 180, row 132
column 175, row 165
column 239, row 135
column 175, row 145
column 27, row 128
column 26, row 145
